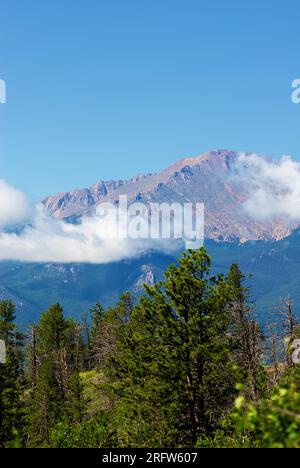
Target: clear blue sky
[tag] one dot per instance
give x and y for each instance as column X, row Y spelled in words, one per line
column 106, row 89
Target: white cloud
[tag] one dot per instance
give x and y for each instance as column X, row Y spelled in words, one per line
column 273, row 187
column 14, row 206
column 44, row 239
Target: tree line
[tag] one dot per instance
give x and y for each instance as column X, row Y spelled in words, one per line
column 185, row 365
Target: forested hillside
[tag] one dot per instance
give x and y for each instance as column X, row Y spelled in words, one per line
column 184, row 365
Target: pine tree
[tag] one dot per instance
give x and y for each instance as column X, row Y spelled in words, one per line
column 11, row 379
column 288, row 326
column 32, row 355
column 57, row 387
column 96, row 335
column 247, row 336
column 275, row 354
column 173, row 373
column 86, row 337
column 105, row 327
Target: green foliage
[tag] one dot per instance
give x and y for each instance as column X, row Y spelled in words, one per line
column 57, row 392
column 173, row 370
column 248, row 339
column 11, row 380
column 273, row 422
column 183, row 367
column 227, row 436
column 93, row 433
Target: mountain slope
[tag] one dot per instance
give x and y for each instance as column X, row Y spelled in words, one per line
column 275, row 267
column 271, row 252
column 204, row 179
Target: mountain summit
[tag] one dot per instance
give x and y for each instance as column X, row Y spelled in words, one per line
column 203, row 179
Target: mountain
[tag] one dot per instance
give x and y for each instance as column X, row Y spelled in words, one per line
column 275, row 267
column 34, row 286
column 204, row 179
column 268, row 250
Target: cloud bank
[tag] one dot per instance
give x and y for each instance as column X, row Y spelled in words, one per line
column 14, row 206
column 273, row 187
column 44, row 239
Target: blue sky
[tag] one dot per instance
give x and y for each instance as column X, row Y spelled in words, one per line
column 106, row 89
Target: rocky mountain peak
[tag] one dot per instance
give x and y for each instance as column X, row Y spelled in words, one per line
column 201, row 179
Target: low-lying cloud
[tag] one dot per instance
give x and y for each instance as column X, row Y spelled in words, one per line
column 48, row 240
column 14, row 206
column 42, row 238
column 273, row 187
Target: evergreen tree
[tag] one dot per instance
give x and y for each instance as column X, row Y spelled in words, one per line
column 56, row 395
column 96, row 335
column 106, row 325
column 288, row 326
column 248, row 339
column 174, row 375
column 11, row 379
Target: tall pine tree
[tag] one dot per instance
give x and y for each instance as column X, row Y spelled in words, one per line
column 11, row 379
column 56, row 395
column 248, row 339
column 174, row 373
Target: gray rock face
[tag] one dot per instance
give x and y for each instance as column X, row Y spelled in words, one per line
column 146, row 277
column 67, row 204
column 203, row 179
